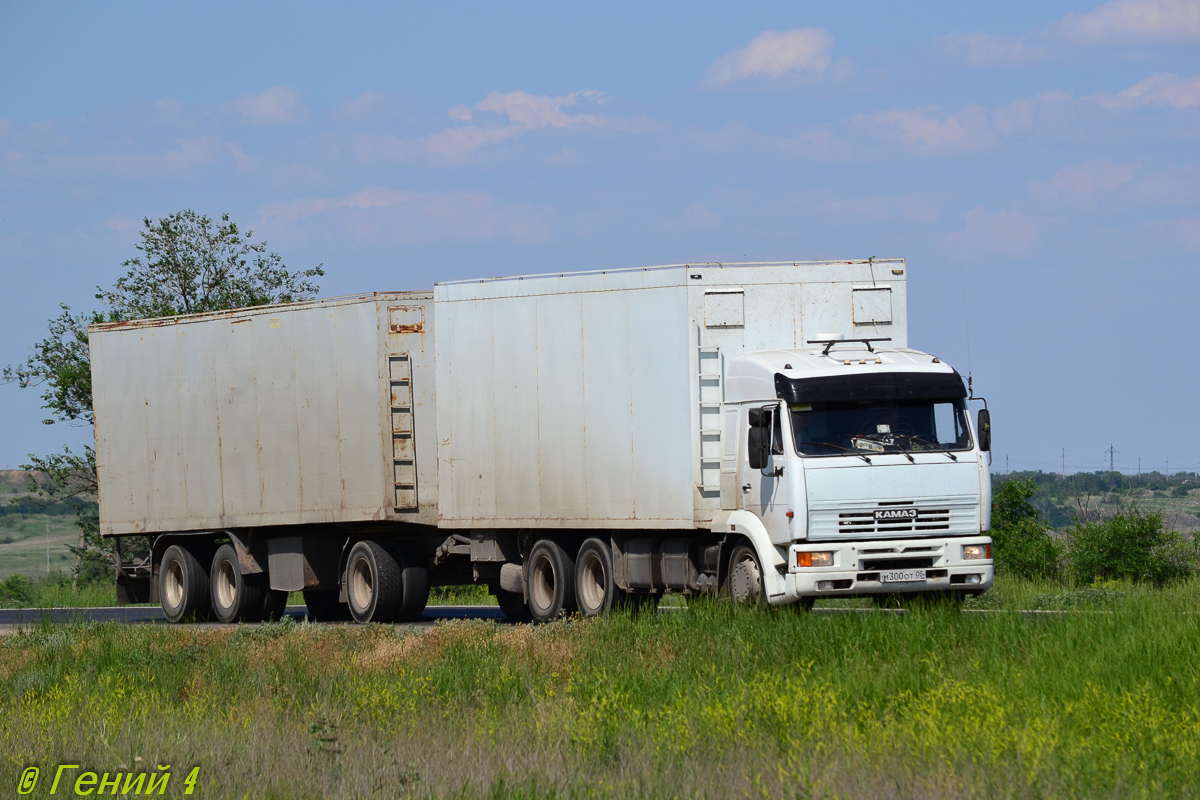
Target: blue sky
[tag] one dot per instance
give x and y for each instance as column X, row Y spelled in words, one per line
column 1040, row 160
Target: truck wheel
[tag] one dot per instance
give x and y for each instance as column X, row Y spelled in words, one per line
column 323, row 606
column 414, row 580
column 512, row 605
column 551, row 581
column 374, row 587
column 235, row 597
column 746, row 577
column 594, row 587
column 274, row 604
column 182, row 584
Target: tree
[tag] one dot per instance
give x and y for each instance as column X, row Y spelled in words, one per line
column 1021, row 538
column 187, row 265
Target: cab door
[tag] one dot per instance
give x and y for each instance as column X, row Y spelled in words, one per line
column 764, row 469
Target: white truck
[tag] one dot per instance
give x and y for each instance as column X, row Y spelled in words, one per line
column 575, row 441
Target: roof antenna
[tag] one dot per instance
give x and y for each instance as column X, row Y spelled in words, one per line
column 962, row 282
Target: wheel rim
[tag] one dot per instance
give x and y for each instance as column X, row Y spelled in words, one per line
column 592, row 584
column 226, row 585
column 362, row 584
column 541, row 589
column 747, row 578
column 173, row 584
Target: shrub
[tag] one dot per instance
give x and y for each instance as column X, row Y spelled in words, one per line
column 16, row 592
column 1132, row 545
column 1021, row 541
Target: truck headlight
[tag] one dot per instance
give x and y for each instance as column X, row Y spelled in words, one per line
column 819, row 559
column 974, row 551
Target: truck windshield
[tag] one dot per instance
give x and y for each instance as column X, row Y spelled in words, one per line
column 865, row 427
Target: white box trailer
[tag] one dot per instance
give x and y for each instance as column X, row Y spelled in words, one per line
column 572, row 440
column 305, row 414
column 593, row 400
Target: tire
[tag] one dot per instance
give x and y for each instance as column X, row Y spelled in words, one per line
column 182, row 585
column 274, row 604
column 746, row 577
column 414, row 579
column 513, row 605
column 235, row 597
column 323, row 606
column 550, row 584
column 374, row 588
column 595, row 591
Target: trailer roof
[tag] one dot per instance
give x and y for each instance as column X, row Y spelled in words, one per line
column 233, row 313
column 687, row 265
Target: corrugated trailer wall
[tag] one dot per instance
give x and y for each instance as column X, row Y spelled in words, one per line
column 592, row 400
column 281, row 415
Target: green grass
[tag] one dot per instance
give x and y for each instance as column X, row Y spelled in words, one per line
column 714, row 702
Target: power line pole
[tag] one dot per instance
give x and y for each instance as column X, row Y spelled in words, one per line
column 1064, row 463
column 1139, row 468
column 47, row 549
column 1111, row 451
column 1007, row 471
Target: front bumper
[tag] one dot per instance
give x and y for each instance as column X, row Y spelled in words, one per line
column 858, row 566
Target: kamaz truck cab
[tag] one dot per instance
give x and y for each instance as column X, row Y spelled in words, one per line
column 862, row 467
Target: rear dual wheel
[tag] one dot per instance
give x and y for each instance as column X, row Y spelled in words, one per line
column 550, row 581
column 595, row 590
column 182, row 585
column 242, row 597
column 385, row 584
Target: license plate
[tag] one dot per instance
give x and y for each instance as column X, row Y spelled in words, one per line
column 902, row 576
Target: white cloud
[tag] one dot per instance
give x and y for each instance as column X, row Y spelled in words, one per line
column 385, row 217
column 525, row 112
column 991, row 49
column 1084, row 184
column 1162, row 89
column 1133, row 21
column 1116, row 22
column 192, row 155
column 363, row 107
column 1184, row 231
column 775, row 54
column 930, row 130
column 278, row 105
column 1006, row 231
column 697, row 216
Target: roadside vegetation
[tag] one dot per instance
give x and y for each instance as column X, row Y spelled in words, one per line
column 185, row 264
column 1101, row 699
column 1131, row 541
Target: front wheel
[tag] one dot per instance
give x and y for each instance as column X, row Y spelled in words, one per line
column 746, row 577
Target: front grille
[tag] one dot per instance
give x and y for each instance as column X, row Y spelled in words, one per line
column 934, row 516
column 863, row 523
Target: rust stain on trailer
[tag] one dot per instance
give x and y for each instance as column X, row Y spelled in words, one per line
column 417, row 328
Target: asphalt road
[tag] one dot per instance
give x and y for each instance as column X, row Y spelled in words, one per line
column 12, row 619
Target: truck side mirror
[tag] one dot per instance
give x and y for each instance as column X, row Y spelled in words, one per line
column 985, row 430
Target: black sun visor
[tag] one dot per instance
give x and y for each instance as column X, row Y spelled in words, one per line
column 877, row 387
